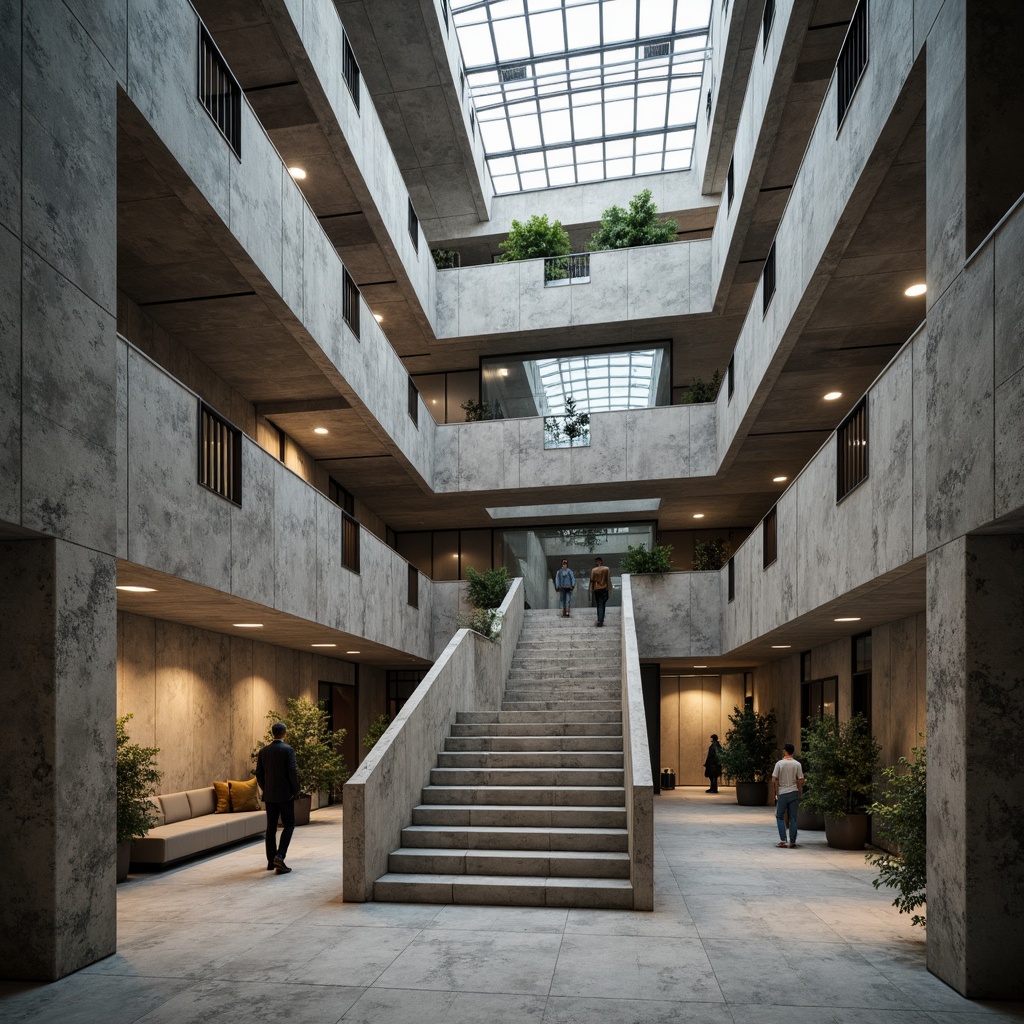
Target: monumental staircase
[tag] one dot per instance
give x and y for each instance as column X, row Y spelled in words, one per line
column 526, row 806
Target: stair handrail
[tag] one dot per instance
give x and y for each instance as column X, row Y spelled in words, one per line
column 379, row 797
column 638, row 777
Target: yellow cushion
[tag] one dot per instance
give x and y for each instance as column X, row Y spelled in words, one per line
column 244, row 796
column 223, row 797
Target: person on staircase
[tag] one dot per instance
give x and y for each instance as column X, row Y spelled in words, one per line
column 600, row 587
column 565, row 584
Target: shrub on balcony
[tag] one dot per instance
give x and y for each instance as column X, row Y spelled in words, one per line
column 709, row 555
column 639, row 225
column 476, row 411
column 704, row 390
column 446, row 259
column 639, row 559
column 537, row 239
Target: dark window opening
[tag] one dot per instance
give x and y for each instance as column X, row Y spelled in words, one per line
column 852, row 450
column 350, row 71
column 766, row 24
column 349, row 542
column 401, row 683
column 819, row 698
column 340, row 497
column 731, row 574
column 730, row 184
column 413, row 594
column 414, row 227
column 444, row 13
column 768, row 280
column 218, row 91
column 853, row 58
column 730, row 377
column 414, row 403
column 350, row 302
column 770, row 537
column 860, row 688
column 220, row 455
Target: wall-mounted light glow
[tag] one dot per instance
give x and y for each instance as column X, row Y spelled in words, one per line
column 297, row 173
column 323, row 645
column 833, row 395
column 781, row 647
column 247, row 625
column 849, row 618
column 698, row 515
column 916, row 289
column 378, row 317
column 320, row 430
column 779, row 479
column 136, row 590
column 503, row 372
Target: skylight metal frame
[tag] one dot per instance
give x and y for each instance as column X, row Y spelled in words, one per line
column 584, row 112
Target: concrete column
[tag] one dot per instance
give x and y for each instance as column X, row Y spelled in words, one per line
column 976, row 765
column 58, row 698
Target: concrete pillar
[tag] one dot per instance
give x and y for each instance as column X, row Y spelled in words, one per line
column 976, row 765
column 58, row 698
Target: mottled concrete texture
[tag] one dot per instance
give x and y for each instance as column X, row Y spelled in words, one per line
column 975, row 803
column 678, row 614
column 57, row 904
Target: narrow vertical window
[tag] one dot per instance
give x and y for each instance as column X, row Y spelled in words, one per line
column 730, row 377
column 770, row 537
column 730, row 185
column 767, row 17
column 349, row 542
column 731, row 572
column 413, row 593
column 852, row 450
column 220, row 455
column 768, row 280
column 350, row 71
column 414, row 403
column 414, row 227
column 218, row 91
column 350, row 302
column 853, row 58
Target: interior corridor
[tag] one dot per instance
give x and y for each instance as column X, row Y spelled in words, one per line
column 742, row 932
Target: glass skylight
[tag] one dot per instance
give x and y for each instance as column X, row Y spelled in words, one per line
column 570, row 91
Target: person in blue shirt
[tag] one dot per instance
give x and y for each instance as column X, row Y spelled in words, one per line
column 565, row 584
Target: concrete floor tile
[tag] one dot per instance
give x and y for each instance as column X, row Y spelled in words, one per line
column 718, row 916
column 501, row 919
column 393, row 1006
column 84, row 999
column 672, row 922
column 336, row 913
column 454, row 960
column 631, row 1011
column 768, row 1014
column 632, row 967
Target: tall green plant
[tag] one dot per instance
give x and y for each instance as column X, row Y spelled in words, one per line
column 535, row 239
column 318, row 758
column 901, row 818
column 702, row 390
column 844, row 759
column 377, row 729
column 574, row 427
column 137, row 777
column 709, row 555
column 639, row 225
column 487, row 589
column 750, row 749
column 639, row 559
column 485, row 621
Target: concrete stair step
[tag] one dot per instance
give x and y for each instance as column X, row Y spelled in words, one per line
column 564, row 795
column 487, row 759
column 505, row 890
column 515, row 717
column 570, row 674
column 519, row 816
column 560, row 705
column 526, row 776
column 532, row 743
column 554, row 863
column 509, row 837
column 518, row 729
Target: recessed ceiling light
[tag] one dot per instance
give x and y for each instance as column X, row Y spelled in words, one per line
column 353, row 652
column 378, row 317
column 916, row 289
column 700, row 666
column 320, row 430
column 781, row 647
column 136, row 590
column 849, row 618
column 698, row 515
column 297, row 173
column 779, row 479
column 323, row 645
column 248, row 625
column 833, row 395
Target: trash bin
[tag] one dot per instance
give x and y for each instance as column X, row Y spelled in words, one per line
column 668, row 778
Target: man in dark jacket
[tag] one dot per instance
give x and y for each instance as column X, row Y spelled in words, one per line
column 713, row 764
column 278, row 778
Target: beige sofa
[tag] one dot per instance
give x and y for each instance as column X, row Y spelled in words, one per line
column 187, row 824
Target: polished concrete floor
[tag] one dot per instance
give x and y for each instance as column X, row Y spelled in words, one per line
column 743, row 933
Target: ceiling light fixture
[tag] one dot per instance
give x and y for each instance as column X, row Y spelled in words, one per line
column 136, row 590
column 323, row 645
column 698, row 515
column 297, row 173
column 779, row 479
column 320, row 430
column 353, row 652
column 849, row 618
column 916, row 289
column 503, row 372
column 781, row 647
column 378, row 317
column 833, row 395
column 247, row 625
column 700, row 666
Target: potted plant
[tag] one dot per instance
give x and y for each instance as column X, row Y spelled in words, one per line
column 639, row 225
column 536, row 239
column 137, row 776
column 640, row 560
column 806, row 819
column 749, row 754
column 901, row 819
column 844, row 759
column 487, row 590
column 318, row 758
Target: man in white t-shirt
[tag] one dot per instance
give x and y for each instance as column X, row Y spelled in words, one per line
column 788, row 784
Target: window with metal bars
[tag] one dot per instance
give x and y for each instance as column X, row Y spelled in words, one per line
column 731, row 575
column 350, row 71
column 350, row 302
column 220, row 455
column 730, row 185
column 852, row 450
column 218, row 91
column 853, row 58
column 414, row 227
column 770, row 537
column 767, row 17
column 349, row 542
column 414, row 403
column 413, row 593
column 768, row 280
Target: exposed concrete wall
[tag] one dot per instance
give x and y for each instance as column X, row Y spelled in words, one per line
column 678, row 614
column 203, row 697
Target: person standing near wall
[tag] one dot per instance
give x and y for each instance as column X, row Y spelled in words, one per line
column 277, row 775
column 713, row 764
column 600, row 587
column 788, row 783
column 565, row 584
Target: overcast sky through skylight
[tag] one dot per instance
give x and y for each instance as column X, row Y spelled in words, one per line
column 570, row 91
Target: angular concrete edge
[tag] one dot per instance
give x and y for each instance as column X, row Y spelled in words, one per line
column 380, row 796
column 639, row 781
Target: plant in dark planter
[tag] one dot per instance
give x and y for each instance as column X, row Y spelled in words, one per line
column 749, row 754
column 640, row 560
column 901, row 819
column 806, row 819
column 137, row 776
column 844, row 759
column 318, row 758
